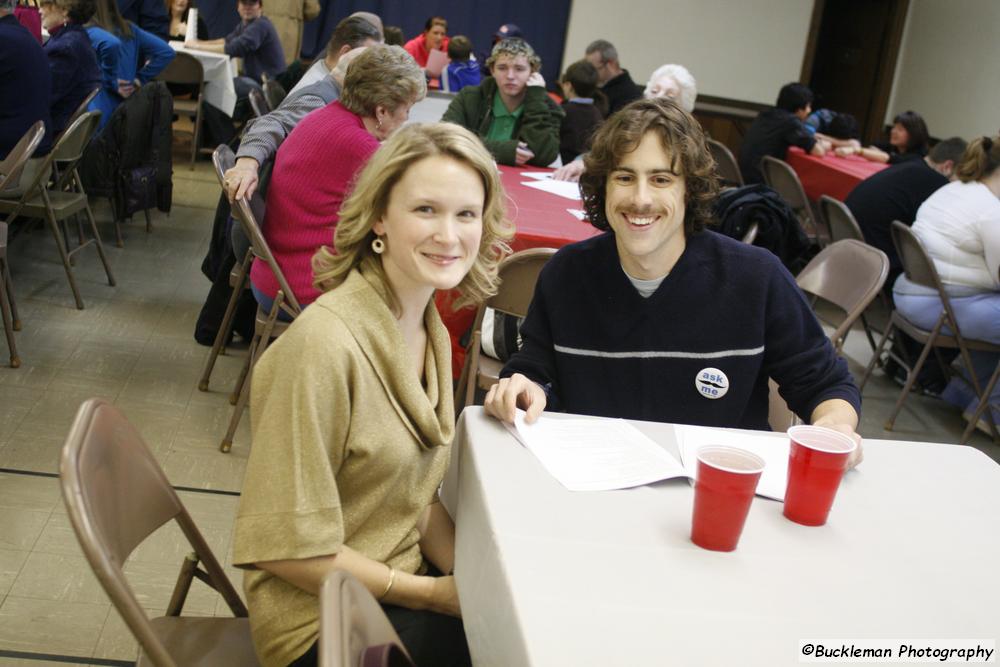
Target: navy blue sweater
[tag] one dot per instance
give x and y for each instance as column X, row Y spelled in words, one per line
column 24, row 77
column 605, row 350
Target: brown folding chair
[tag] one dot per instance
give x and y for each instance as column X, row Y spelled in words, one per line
column 259, row 103
column 353, row 629
column 849, row 274
column 839, row 220
column 518, row 275
column 116, row 495
column 13, row 165
column 725, row 164
column 223, row 161
column 80, row 110
column 186, row 69
column 64, row 199
column 267, row 326
column 780, row 176
column 919, row 269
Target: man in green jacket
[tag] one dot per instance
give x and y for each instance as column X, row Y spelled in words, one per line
column 510, row 111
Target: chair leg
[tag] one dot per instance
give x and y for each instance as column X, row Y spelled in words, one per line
column 149, row 222
column 100, row 246
column 227, row 325
column 984, row 403
column 5, row 314
column 868, row 331
column 5, row 278
column 194, row 138
column 911, row 376
column 60, row 244
column 875, row 357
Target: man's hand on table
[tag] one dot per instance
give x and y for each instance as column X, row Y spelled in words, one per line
column 514, row 392
column 569, row 172
column 523, row 154
column 241, row 180
column 858, row 455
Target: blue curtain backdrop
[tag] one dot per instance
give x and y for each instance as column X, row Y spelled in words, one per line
column 543, row 23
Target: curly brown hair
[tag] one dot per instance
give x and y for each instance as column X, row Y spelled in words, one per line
column 682, row 138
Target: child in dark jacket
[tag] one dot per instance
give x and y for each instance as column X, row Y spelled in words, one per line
column 585, row 108
column 461, row 71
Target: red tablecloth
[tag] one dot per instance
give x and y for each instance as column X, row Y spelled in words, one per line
column 830, row 175
column 542, row 221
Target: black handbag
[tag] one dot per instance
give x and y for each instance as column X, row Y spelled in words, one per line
column 138, row 189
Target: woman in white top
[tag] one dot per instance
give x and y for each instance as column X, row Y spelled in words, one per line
column 959, row 225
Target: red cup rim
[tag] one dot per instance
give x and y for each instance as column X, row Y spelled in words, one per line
column 738, row 451
column 806, row 430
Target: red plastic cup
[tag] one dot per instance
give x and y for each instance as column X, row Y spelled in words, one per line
column 726, row 482
column 817, row 460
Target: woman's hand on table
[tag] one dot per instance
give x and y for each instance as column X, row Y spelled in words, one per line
column 569, row 172
column 844, row 151
column 517, row 391
column 241, row 180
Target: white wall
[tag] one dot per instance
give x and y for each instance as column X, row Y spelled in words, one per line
column 949, row 67
column 740, row 49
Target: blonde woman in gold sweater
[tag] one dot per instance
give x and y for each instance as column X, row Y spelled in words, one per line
column 351, row 408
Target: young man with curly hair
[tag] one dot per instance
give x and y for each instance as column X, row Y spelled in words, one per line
column 661, row 319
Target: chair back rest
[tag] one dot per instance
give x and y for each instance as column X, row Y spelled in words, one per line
column 274, row 93
column 13, row 164
column 249, row 213
column 184, row 68
column 259, row 103
column 725, row 164
column 69, row 149
column 351, row 623
column 83, row 107
column 917, row 264
column 518, row 274
column 839, row 220
column 848, row 274
column 116, row 495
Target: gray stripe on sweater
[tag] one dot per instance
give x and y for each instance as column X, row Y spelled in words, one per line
column 660, row 355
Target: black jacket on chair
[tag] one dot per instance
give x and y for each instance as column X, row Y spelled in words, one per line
column 135, row 143
column 778, row 230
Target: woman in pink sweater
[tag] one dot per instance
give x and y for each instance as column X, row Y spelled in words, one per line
column 315, row 166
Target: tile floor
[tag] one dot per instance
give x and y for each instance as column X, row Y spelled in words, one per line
column 133, row 345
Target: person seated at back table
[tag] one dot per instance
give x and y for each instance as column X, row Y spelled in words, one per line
column 462, row 71
column 659, row 318
column 255, row 40
column 835, row 128
column 671, row 81
column 25, row 76
column 433, row 38
column 908, row 140
column 352, row 407
column 150, row 15
column 616, row 83
column 510, row 109
column 354, row 31
column 583, row 107
column 775, row 129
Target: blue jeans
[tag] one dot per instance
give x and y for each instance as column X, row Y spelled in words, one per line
column 266, row 303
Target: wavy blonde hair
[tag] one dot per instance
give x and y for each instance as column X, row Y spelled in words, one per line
column 369, row 201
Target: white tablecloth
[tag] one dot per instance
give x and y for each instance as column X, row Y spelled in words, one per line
column 219, row 72
column 551, row 577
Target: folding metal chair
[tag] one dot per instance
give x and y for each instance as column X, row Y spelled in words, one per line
column 919, row 269
column 186, row 69
column 725, row 164
column 353, row 629
column 274, row 93
column 116, row 495
column 839, row 220
column 259, row 103
column 267, row 326
column 780, row 176
column 518, row 275
column 57, row 203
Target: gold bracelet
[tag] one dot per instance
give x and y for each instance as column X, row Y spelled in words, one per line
column 392, row 579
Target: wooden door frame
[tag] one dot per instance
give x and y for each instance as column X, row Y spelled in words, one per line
column 872, row 129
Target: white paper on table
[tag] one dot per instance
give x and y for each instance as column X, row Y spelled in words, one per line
column 567, row 189
column 577, row 213
column 772, row 447
column 437, row 60
column 595, row 454
column 537, row 175
column 192, row 25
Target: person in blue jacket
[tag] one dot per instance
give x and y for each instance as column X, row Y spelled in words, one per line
column 140, row 57
column 72, row 61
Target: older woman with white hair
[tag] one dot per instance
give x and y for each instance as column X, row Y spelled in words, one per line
column 675, row 83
